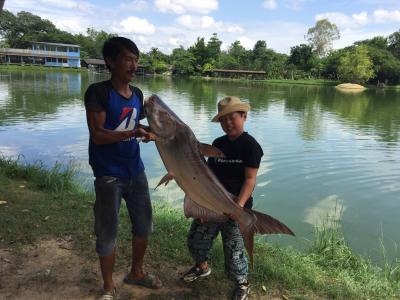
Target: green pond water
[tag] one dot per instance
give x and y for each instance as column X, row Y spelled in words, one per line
column 326, row 153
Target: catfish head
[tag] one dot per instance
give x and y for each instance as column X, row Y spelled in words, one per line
column 162, row 120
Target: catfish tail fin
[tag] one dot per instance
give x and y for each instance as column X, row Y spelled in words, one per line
column 262, row 224
column 266, row 224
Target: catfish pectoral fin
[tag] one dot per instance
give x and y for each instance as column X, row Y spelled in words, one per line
column 166, row 179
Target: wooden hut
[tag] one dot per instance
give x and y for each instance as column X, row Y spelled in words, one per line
column 239, row 73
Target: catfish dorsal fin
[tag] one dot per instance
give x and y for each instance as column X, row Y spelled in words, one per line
column 210, row 151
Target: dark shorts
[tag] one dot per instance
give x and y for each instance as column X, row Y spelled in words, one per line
column 109, row 192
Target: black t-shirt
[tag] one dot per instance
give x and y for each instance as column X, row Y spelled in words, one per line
column 240, row 153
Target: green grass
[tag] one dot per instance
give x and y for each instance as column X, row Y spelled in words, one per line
column 46, row 203
column 304, row 81
column 27, row 67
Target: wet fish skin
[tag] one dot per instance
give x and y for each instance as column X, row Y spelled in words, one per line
column 182, row 156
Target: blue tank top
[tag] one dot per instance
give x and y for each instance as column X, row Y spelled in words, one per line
column 120, row 159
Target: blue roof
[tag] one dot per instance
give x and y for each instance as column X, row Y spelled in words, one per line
column 57, row 44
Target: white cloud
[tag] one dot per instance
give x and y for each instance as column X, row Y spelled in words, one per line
column 386, row 16
column 176, row 42
column 136, row 5
column 69, row 4
column 72, row 24
column 296, row 4
column 185, row 6
column 246, row 42
column 345, row 21
column 137, row 25
column 207, row 22
column 361, row 19
column 349, row 36
column 270, row 4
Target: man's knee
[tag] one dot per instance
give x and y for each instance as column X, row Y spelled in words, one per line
column 105, row 247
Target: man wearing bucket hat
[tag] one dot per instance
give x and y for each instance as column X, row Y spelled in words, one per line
column 237, row 171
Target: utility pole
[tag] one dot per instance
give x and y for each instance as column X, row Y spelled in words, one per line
column 1, row 5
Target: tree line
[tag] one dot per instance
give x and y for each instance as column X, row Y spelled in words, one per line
column 375, row 61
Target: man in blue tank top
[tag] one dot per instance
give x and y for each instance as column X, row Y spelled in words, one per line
column 113, row 110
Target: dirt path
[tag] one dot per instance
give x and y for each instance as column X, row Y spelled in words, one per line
column 52, row 270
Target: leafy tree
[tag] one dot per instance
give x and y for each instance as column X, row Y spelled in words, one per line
column 227, row 61
column 92, row 42
column 182, row 61
column 321, row 36
column 376, row 42
column 386, row 66
column 355, row 65
column 238, row 54
column 19, row 30
column 303, row 57
column 214, row 47
column 394, row 43
column 259, row 54
column 259, row 49
column 275, row 64
column 200, row 53
column 330, row 63
column 207, row 68
column 155, row 61
column 267, row 60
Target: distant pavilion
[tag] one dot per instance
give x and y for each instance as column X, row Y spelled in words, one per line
column 239, row 73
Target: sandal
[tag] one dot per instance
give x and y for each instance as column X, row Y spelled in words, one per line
column 149, row 281
column 109, row 295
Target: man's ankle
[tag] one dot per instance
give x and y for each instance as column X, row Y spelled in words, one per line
column 108, row 286
column 137, row 274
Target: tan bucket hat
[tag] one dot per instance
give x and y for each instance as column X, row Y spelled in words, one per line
column 229, row 105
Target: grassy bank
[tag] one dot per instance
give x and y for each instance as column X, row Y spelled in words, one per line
column 37, row 68
column 39, row 203
column 272, row 81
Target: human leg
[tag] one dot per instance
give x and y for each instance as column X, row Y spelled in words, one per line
column 106, row 267
column 106, row 209
column 140, row 212
column 200, row 240
column 236, row 263
column 139, row 246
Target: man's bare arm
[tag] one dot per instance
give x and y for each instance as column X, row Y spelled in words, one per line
column 99, row 134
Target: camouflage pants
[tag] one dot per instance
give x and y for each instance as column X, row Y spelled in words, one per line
column 200, row 241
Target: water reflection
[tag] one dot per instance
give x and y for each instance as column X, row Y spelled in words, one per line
column 36, row 96
column 322, row 148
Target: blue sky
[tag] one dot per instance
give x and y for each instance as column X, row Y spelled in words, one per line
column 167, row 24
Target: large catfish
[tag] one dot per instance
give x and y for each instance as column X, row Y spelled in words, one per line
column 206, row 198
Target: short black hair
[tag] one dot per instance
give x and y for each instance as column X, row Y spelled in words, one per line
column 114, row 46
